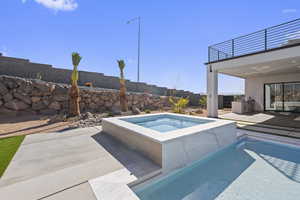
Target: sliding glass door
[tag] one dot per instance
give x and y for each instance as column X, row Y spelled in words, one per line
column 282, row 97
column 274, row 97
column 292, row 97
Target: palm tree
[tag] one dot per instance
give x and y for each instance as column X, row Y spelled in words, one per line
column 74, row 109
column 123, row 98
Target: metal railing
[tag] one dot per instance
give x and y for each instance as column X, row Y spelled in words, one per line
column 270, row 38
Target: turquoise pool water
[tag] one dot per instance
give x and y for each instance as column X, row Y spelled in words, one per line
column 248, row 169
column 165, row 122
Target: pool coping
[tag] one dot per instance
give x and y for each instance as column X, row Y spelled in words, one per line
column 114, row 186
column 163, row 137
column 117, row 185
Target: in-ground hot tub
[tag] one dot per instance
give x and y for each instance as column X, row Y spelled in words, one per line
column 171, row 140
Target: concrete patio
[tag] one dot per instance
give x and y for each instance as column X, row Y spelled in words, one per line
column 59, row 165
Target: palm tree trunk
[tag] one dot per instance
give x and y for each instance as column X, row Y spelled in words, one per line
column 123, row 98
column 74, row 100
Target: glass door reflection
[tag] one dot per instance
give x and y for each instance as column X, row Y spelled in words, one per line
column 292, row 97
column 274, row 97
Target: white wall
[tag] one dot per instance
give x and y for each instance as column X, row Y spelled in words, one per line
column 212, row 92
column 254, row 86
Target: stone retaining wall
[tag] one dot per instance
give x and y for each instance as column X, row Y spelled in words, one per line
column 26, row 69
column 19, row 95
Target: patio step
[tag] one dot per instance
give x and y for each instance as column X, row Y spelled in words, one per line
column 269, row 129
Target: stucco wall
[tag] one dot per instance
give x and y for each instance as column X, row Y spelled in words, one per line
column 254, row 86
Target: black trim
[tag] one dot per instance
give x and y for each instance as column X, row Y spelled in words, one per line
column 250, row 54
column 271, row 38
column 257, row 31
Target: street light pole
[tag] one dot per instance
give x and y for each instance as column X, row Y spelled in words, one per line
column 139, row 44
column 139, row 47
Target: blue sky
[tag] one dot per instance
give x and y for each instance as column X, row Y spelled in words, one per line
column 175, row 35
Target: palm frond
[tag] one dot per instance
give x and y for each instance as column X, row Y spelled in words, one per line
column 76, row 58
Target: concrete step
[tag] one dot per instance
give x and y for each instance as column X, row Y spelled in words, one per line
column 275, row 130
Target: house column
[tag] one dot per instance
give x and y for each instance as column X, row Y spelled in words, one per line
column 212, row 92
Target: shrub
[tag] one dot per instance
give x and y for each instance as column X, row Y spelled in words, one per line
column 178, row 105
column 110, row 114
column 147, row 111
column 203, row 102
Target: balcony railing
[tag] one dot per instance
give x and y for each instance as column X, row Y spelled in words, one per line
column 281, row 35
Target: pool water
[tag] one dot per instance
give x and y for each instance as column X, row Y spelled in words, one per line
column 165, row 123
column 247, row 169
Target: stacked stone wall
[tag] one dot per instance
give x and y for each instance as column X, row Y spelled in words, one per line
column 18, row 95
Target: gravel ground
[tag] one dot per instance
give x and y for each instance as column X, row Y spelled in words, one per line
column 28, row 124
column 32, row 124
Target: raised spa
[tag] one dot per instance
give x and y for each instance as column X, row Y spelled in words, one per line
column 171, row 140
column 166, row 122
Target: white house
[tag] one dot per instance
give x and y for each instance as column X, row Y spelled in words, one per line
column 268, row 60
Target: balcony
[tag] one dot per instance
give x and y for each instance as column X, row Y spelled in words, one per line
column 269, row 39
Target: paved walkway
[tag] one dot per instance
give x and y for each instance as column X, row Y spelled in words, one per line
column 58, row 165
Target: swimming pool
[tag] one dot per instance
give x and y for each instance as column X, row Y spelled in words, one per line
column 166, row 122
column 247, row 169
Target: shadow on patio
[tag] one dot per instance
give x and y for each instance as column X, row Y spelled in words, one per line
column 135, row 162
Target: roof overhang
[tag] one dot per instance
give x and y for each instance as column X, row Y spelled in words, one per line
column 281, row 61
